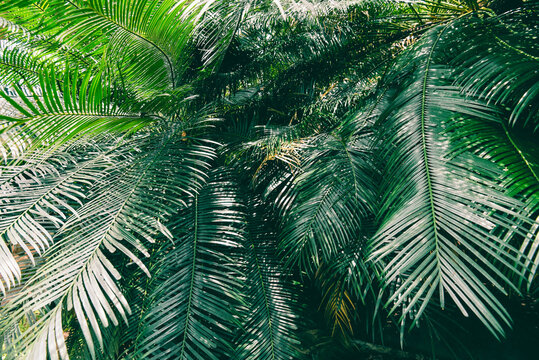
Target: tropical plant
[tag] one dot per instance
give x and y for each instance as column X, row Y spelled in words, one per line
column 263, row 179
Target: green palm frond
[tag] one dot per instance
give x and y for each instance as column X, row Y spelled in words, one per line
column 72, row 106
column 509, row 148
column 26, row 52
column 138, row 286
column 290, row 60
column 270, row 325
column 154, row 34
column 129, row 206
column 373, row 168
column 12, row 144
column 218, row 27
column 331, row 197
column 198, row 285
column 438, row 215
column 270, row 144
column 347, row 283
column 530, row 247
column 17, row 65
column 31, row 210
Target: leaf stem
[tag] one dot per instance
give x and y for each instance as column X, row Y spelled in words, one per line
column 426, row 158
column 263, row 285
column 188, row 314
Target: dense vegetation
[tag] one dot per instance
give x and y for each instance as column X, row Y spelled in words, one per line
column 264, row 179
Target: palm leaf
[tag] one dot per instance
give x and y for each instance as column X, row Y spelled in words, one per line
column 17, row 64
column 509, row 148
column 270, row 324
column 517, row 161
column 30, row 212
column 331, row 197
column 502, row 67
column 347, row 284
column 438, row 215
column 190, row 314
column 153, row 34
column 137, row 197
column 68, row 110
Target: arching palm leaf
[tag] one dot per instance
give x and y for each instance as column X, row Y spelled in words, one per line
column 386, row 189
column 137, row 196
column 502, row 67
column 75, row 107
column 332, row 197
column 271, row 300
column 437, row 214
column 31, row 212
column 191, row 310
column 153, row 34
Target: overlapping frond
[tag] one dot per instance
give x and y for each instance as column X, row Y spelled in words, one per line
column 347, row 282
column 332, row 196
column 386, row 187
column 72, row 105
column 127, row 208
column 145, row 40
column 18, row 65
column 438, row 214
column 502, row 70
column 30, row 207
column 191, row 312
column 218, row 27
column 502, row 66
column 270, row 321
column 509, row 148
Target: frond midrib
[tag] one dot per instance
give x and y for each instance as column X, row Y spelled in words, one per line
column 266, row 302
column 426, row 162
column 192, row 282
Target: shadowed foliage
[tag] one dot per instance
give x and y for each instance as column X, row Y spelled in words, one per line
column 264, row 179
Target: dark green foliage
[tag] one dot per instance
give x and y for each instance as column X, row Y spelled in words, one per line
column 264, row 179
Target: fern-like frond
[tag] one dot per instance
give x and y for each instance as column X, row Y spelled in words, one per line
column 270, row 321
column 502, row 66
column 70, row 107
column 508, row 147
column 31, row 212
column 126, row 208
column 438, row 215
column 18, row 65
column 141, row 38
column 346, row 282
column 332, row 196
column 191, row 314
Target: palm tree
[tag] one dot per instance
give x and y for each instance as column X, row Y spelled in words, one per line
column 199, row 179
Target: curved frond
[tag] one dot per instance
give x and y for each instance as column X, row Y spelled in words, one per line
column 332, row 196
column 31, row 211
column 345, row 282
column 18, row 65
column 128, row 207
column 271, row 323
column 70, row 107
column 144, row 39
column 438, row 214
column 198, row 285
column 510, row 148
column 502, row 66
